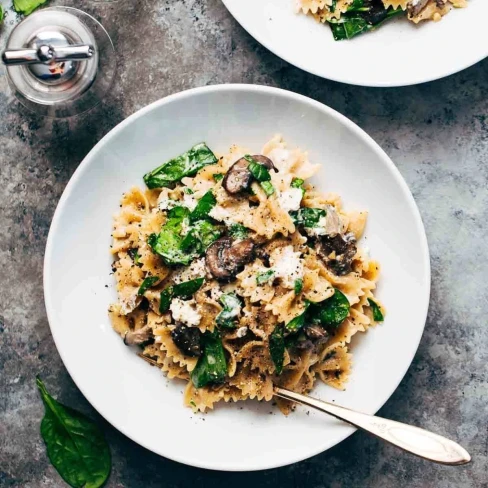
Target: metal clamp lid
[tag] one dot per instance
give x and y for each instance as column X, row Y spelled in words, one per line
column 47, row 54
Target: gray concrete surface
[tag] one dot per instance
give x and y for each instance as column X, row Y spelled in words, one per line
column 437, row 134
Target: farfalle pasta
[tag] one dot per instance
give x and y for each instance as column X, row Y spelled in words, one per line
column 235, row 275
column 348, row 18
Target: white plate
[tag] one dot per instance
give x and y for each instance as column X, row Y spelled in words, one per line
column 397, row 54
column 135, row 397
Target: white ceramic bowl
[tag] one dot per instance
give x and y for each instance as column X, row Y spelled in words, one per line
column 135, row 397
column 399, row 53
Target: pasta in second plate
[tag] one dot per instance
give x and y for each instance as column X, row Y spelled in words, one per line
column 234, row 274
column 348, row 18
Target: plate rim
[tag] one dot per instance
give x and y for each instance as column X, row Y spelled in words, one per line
column 415, row 81
column 79, row 172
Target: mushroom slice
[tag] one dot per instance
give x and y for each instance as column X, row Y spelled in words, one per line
column 315, row 333
column 239, row 178
column 225, row 257
column 342, row 248
column 187, row 339
column 137, row 337
column 416, row 6
column 332, row 222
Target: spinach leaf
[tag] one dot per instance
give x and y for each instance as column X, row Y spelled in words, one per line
column 134, row 255
column 298, row 322
column 218, row 177
column 167, row 244
column 146, row 284
column 361, row 16
column 238, row 231
column 188, row 164
column 268, row 188
column 26, row 7
column 333, row 311
column 75, row 445
column 298, row 183
column 298, row 286
column 1, row 14
column 204, row 206
column 183, row 290
column 277, row 348
column 261, row 174
column 258, row 170
column 165, row 301
column 212, row 366
column 377, row 313
column 232, row 308
column 176, row 248
column 206, row 233
column 265, row 276
column 187, row 288
column 333, row 6
column 308, row 217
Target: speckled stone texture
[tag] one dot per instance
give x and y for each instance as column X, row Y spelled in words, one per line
column 437, row 134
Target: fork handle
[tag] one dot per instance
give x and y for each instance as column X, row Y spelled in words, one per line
column 420, row 442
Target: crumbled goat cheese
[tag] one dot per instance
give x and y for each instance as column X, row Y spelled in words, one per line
column 287, row 265
column 280, row 158
column 289, row 200
column 129, row 303
column 189, row 201
column 185, row 311
column 197, row 269
column 221, row 214
column 164, row 201
column 241, row 332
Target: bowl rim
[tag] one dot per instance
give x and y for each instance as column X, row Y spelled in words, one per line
column 417, row 80
column 83, row 166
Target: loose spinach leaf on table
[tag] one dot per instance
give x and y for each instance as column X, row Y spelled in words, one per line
column 331, row 312
column 187, row 164
column 146, row 284
column 277, row 348
column 212, row 366
column 377, row 313
column 238, row 231
column 26, row 7
column 204, row 206
column 182, row 290
column 75, row 445
column 232, row 307
column 307, row 217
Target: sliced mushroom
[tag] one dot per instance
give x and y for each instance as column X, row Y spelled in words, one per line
column 315, row 333
column 239, row 178
column 137, row 337
column 188, row 340
column 226, row 257
column 342, row 247
column 333, row 224
column 416, row 6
